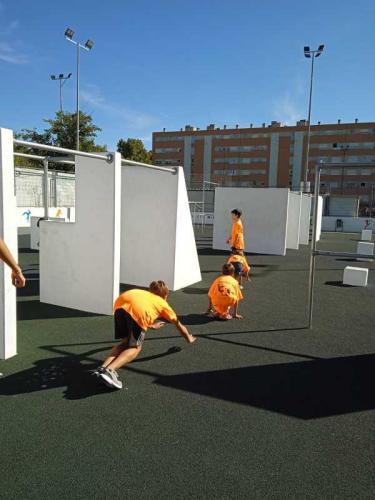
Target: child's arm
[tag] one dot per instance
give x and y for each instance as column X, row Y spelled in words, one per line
column 209, row 306
column 183, row 331
column 18, row 278
column 235, row 314
column 157, row 325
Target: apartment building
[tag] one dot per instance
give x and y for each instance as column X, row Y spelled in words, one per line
column 273, row 156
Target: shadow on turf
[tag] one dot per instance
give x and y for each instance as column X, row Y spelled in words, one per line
column 33, row 309
column 195, row 291
column 65, row 371
column 305, row 390
column 339, row 284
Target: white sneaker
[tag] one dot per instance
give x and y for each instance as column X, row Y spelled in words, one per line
column 110, row 378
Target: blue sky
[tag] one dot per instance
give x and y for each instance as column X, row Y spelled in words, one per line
column 168, row 63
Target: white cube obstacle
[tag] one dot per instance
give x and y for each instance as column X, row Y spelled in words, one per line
column 355, row 276
column 366, row 235
column 365, row 248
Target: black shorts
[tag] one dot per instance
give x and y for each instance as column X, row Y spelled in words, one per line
column 127, row 328
column 238, row 268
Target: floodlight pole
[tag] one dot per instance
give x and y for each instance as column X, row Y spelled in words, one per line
column 309, row 121
column 88, row 46
column 77, row 107
column 310, row 54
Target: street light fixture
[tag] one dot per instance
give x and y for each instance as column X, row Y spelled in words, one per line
column 310, row 54
column 69, row 33
column 62, row 79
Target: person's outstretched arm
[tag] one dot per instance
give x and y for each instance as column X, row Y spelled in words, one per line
column 235, row 309
column 184, row 332
column 18, row 278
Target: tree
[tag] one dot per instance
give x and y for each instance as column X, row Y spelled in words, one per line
column 61, row 133
column 63, row 130
column 134, row 149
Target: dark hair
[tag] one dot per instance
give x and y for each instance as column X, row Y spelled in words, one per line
column 228, row 269
column 237, row 212
column 159, row 288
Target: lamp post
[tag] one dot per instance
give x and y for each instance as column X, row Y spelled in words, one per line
column 69, row 33
column 62, row 79
column 312, row 54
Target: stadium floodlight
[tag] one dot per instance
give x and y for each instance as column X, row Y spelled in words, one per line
column 306, row 51
column 62, row 79
column 69, row 33
column 89, row 44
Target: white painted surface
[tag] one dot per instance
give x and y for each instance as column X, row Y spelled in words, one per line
column 366, row 235
column 350, row 224
column 294, row 215
column 34, row 230
column 264, row 217
column 319, row 219
column 355, row 276
column 304, row 227
column 80, row 262
column 8, row 232
column 157, row 238
column 24, row 214
column 365, row 248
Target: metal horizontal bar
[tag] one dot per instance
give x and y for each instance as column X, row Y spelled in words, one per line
column 47, row 147
column 327, row 253
column 172, row 170
column 50, row 159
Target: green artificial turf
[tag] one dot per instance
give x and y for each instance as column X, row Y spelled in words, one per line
column 258, row 408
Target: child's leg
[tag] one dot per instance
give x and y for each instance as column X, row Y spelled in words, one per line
column 125, row 357
column 116, row 351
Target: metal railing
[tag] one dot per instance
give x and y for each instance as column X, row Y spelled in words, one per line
column 47, row 159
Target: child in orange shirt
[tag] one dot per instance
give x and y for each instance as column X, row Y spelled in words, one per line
column 236, row 239
column 240, row 264
column 224, row 294
column 135, row 312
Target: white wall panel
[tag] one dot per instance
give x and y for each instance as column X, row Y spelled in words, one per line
column 304, row 228
column 8, row 232
column 294, row 215
column 264, row 218
column 80, row 261
column 157, row 239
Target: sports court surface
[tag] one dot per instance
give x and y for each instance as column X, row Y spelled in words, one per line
column 259, row 408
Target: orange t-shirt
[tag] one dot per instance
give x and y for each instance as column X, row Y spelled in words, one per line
column 236, row 236
column 224, row 293
column 144, row 307
column 242, row 259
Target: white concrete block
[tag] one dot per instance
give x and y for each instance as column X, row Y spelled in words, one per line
column 355, row 276
column 8, row 232
column 365, row 248
column 366, row 235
